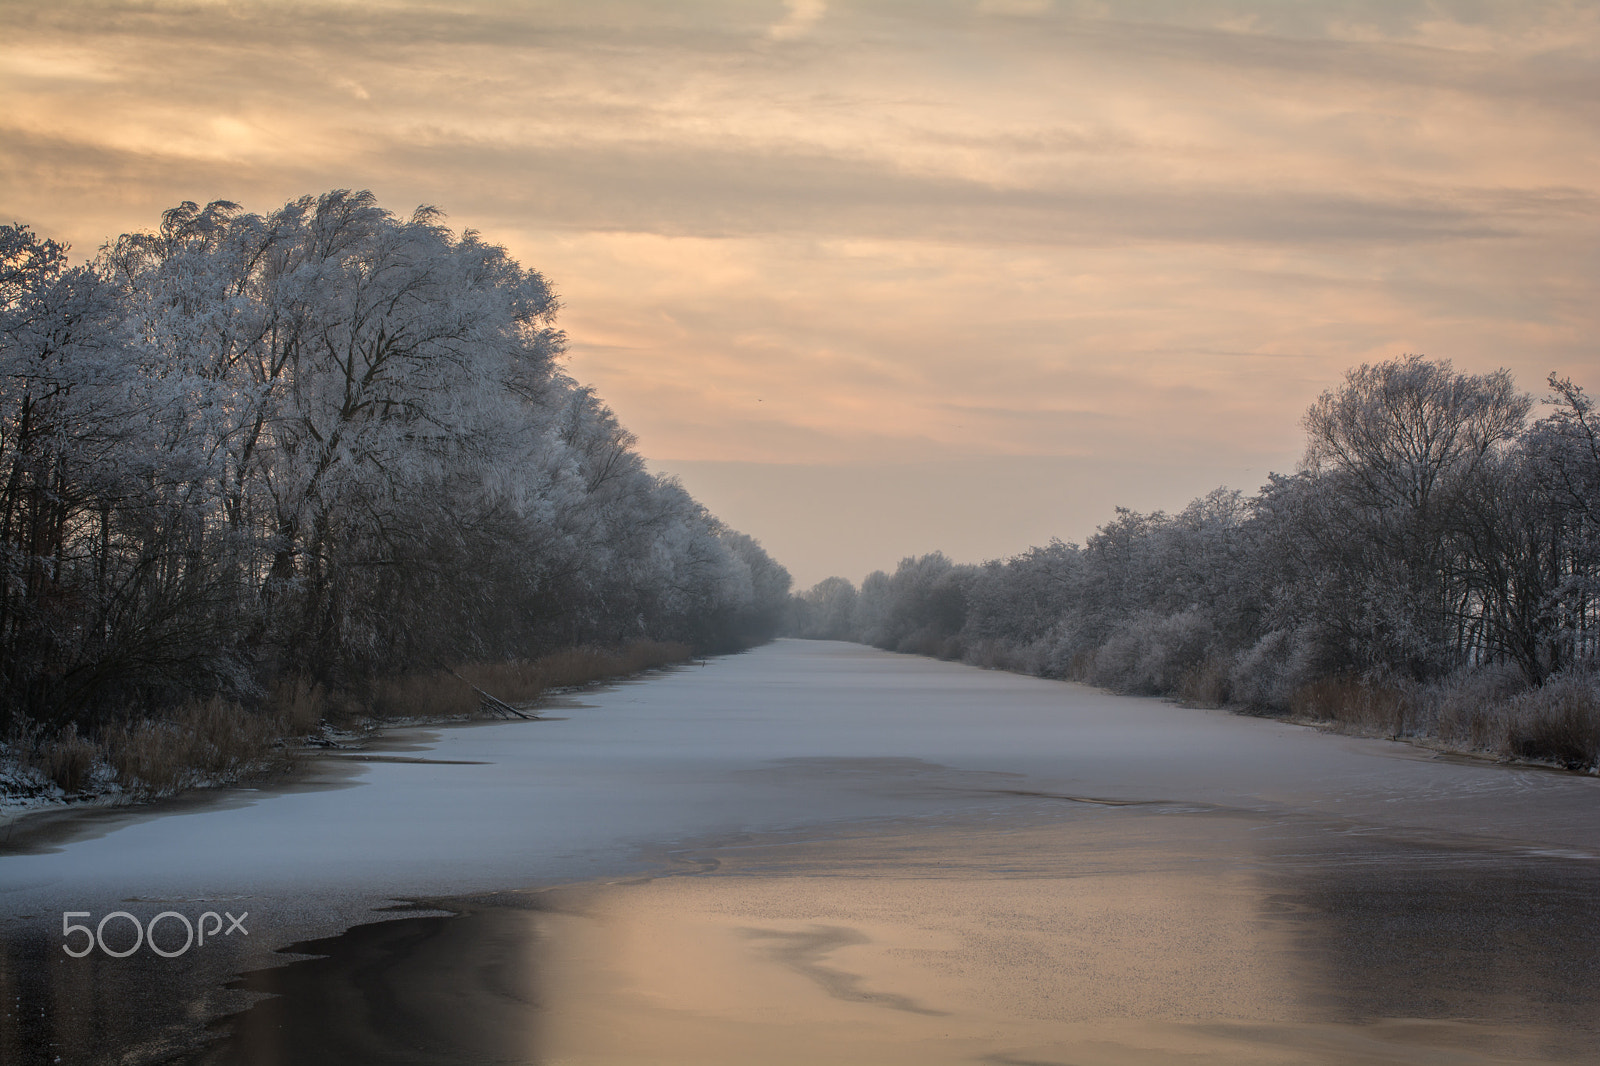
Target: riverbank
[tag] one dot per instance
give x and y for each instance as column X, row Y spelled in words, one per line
column 1485, row 715
column 218, row 743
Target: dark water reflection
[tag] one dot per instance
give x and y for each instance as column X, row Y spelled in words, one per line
column 1389, row 930
column 414, row 991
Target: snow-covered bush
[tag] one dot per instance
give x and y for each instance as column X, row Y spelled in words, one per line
column 1152, row 653
column 1558, row 721
column 1266, row 675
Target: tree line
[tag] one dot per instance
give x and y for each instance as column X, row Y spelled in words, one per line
column 328, row 443
column 1434, row 562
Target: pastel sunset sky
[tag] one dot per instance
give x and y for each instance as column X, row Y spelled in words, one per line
column 877, row 278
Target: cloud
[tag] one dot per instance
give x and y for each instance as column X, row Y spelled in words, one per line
column 949, row 235
column 724, row 191
column 1014, row 7
column 803, row 15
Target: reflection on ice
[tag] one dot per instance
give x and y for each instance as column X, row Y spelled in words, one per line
column 1109, row 936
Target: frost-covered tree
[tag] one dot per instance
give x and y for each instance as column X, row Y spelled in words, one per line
column 1529, row 534
column 71, row 450
column 1400, row 430
column 1392, row 453
column 329, row 441
column 349, row 372
column 1429, row 533
column 826, row 610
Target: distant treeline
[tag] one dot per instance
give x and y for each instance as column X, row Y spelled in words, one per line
column 1434, row 567
column 326, row 444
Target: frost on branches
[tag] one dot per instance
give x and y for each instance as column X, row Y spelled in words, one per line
column 326, row 441
column 1433, row 567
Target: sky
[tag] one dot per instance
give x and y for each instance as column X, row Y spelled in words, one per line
column 882, row 278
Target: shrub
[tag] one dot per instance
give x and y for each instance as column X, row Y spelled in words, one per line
column 1152, row 653
column 1062, row 652
column 1472, row 708
column 1266, row 676
column 1558, row 722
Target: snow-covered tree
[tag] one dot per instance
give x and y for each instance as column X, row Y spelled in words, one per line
column 327, row 440
column 1429, row 532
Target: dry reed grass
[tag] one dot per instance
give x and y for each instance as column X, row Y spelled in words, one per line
column 995, row 655
column 301, row 704
column 211, row 741
column 1362, row 706
column 217, row 741
column 205, row 742
column 1081, row 666
column 1487, row 711
column 1472, row 710
column 1206, row 685
column 441, row 693
column 428, row 695
column 68, row 759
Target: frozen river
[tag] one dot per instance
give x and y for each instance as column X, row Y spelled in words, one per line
column 798, row 743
